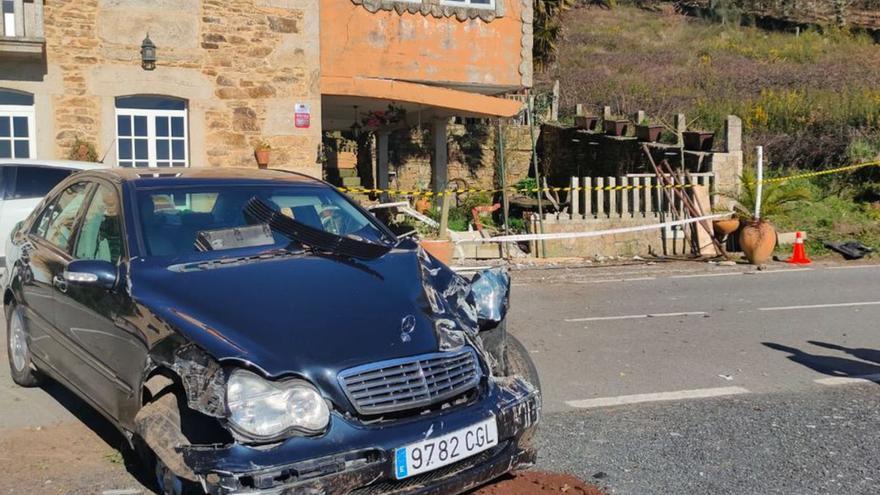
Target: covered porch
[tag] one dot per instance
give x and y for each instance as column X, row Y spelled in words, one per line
column 381, row 106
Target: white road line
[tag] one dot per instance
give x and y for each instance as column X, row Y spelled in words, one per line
column 608, row 280
column 634, row 317
column 846, row 380
column 851, row 267
column 700, row 393
column 706, row 275
column 605, row 318
column 815, row 306
column 683, row 313
column 784, row 270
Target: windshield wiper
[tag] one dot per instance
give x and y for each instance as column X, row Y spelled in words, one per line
column 260, row 212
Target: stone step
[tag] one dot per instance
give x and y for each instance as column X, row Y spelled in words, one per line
column 351, row 181
column 347, row 172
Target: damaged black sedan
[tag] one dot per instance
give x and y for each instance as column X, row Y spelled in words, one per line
column 257, row 332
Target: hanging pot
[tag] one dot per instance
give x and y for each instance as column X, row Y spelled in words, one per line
column 757, row 240
column 439, row 248
column 262, row 157
column 725, row 226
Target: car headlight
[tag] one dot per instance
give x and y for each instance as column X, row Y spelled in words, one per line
column 265, row 409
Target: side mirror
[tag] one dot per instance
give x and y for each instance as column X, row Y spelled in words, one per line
column 92, row 272
column 491, row 290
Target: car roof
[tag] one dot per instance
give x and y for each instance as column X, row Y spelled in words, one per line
column 69, row 164
column 165, row 177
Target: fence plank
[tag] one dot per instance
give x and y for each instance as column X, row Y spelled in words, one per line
column 612, row 197
column 624, row 197
column 649, row 201
column 588, row 197
column 637, row 191
column 574, row 198
column 600, row 197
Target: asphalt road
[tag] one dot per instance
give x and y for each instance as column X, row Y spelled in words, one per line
column 777, row 349
column 665, row 378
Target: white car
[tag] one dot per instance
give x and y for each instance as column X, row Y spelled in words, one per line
column 24, row 183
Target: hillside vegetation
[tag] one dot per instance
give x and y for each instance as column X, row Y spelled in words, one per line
column 813, row 100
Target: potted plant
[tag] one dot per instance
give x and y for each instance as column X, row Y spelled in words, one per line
column 82, row 151
column 261, row 152
column 757, row 237
column 698, row 140
column 430, row 240
column 616, row 126
column 588, row 122
column 648, row 132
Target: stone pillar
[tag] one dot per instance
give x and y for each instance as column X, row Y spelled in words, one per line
column 681, row 125
column 606, row 113
column 733, row 127
column 439, row 158
column 382, row 163
column 639, row 117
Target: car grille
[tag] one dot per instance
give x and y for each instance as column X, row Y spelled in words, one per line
column 407, row 383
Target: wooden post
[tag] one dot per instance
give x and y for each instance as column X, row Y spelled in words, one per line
column 574, row 198
column 382, row 164
column 444, row 215
column 637, row 191
column 600, row 197
column 624, row 197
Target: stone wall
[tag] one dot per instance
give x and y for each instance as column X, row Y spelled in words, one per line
column 242, row 65
column 472, row 155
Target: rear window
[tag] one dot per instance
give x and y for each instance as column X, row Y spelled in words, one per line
column 26, row 182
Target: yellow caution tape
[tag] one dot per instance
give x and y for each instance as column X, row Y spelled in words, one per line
column 630, row 187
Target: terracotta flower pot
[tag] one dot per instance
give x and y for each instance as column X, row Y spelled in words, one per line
column 649, row 133
column 616, row 127
column 725, row 226
column 423, row 204
column 757, row 240
column 262, row 157
column 439, row 248
column 698, row 140
column 588, row 122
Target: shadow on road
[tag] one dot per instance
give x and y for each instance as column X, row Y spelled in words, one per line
column 101, row 426
column 833, row 365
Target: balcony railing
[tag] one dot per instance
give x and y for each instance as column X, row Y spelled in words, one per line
column 21, row 29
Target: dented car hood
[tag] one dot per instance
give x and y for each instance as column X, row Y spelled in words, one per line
column 306, row 315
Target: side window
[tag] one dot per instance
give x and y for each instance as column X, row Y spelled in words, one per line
column 58, row 220
column 33, row 182
column 100, row 237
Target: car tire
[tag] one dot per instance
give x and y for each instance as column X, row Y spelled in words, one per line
column 519, row 362
column 159, row 431
column 21, row 366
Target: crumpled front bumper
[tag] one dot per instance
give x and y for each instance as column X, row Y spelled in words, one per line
column 356, row 458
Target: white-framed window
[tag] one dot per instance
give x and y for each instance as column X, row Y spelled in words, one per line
column 472, row 4
column 17, row 124
column 151, row 131
column 8, row 7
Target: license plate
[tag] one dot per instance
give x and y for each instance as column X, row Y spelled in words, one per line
column 420, row 457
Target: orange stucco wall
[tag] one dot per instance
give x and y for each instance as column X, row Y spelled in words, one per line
column 421, row 48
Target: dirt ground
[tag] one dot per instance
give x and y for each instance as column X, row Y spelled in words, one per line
column 71, row 459
column 536, row 482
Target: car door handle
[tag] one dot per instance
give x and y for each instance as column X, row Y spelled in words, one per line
column 59, row 283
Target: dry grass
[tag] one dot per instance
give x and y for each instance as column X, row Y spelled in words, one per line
column 809, row 99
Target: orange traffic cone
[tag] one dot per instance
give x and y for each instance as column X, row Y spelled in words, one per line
column 799, row 254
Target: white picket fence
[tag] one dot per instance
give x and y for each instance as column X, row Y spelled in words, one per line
column 638, row 195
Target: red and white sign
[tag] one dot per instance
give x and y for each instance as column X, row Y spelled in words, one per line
column 302, row 117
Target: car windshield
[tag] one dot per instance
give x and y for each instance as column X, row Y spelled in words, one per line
column 182, row 220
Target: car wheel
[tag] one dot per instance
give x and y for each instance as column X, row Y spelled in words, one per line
column 519, row 362
column 21, row 367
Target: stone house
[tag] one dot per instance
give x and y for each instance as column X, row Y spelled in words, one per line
column 231, row 74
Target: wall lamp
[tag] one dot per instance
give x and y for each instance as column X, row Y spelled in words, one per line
column 148, row 54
